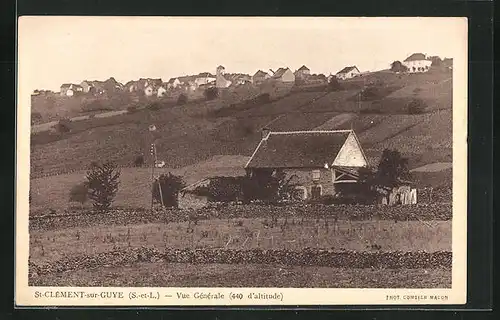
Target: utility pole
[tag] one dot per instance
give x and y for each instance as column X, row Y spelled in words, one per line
column 154, row 158
column 153, row 149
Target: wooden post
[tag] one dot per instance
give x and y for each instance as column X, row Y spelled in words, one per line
column 159, row 184
column 152, row 177
column 334, row 177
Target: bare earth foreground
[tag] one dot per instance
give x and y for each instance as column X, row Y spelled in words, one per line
column 61, row 255
column 161, row 274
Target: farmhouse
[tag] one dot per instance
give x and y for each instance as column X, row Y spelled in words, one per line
column 417, row 62
column 204, row 78
column 69, row 89
column 173, row 83
column 348, row 73
column 319, row 162
column 283, row 75
column 260, row 76
column 303, row 72
column 146, row 85
column 238, row 78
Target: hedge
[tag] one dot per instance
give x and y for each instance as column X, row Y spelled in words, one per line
column 305, row 257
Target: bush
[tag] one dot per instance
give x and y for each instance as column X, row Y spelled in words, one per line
column 223, row 189
column 170, row 186
column 397, row 66
column 63, row 126
column 154, row 106
column 416, row 106
column 182, row 100
column 103, row 181
column 334, row 84
column 79, row 193
column 139, row 161
column 36, row 117
column 211, row 93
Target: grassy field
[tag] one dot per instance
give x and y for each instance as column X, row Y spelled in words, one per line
column 134, row 191
column 244, row 234
column 246, row 275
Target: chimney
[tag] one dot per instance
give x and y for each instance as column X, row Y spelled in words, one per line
column 265, row 132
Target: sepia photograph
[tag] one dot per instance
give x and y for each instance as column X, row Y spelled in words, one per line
column 241, row 160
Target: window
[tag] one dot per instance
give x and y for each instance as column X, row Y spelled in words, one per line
column 316, row 175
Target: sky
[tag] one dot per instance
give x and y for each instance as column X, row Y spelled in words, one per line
column 57, row 50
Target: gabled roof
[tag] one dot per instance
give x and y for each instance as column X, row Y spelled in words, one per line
column 347, row 69
column 260, row 73
column 65, row 85
column 304, row 68
column 205, row 75
column 279, row 73
column 416, row 57
column 184, row 79
column 298, row 149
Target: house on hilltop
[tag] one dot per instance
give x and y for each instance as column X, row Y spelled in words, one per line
column 320, row 162
column 303, row 72
column 173, row 83
column 147, row 86
column 260, row 76
column 417, row 62
column 238, row 78
column 283, row 75
column 348, row 73
column 204, row 78
column 69, row 89
column 100, row 87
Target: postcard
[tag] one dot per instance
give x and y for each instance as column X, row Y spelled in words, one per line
column 241, row 161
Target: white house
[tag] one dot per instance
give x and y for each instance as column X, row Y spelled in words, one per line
column 204, row 78
column 173, row 83
column 417, row 62
column 161, row 91
column 283, row 75
column 260, row 76
column 69, row 89
column 348, row 73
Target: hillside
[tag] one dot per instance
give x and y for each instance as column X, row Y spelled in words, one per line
column 195, row 132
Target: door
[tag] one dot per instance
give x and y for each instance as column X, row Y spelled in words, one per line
column 315, row 192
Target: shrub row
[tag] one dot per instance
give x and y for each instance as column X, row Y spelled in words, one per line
column 313, row 257
column 88, row 217
column 305, row 257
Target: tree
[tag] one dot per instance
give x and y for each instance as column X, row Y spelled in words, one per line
column 183, row 99
column 139, row 160
column 79, row 193
column 103, row 181
column 397, row 66
column 334, row 84
column 392, row 169
column 211, row 93
column 436, row 61
column 170, row 186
